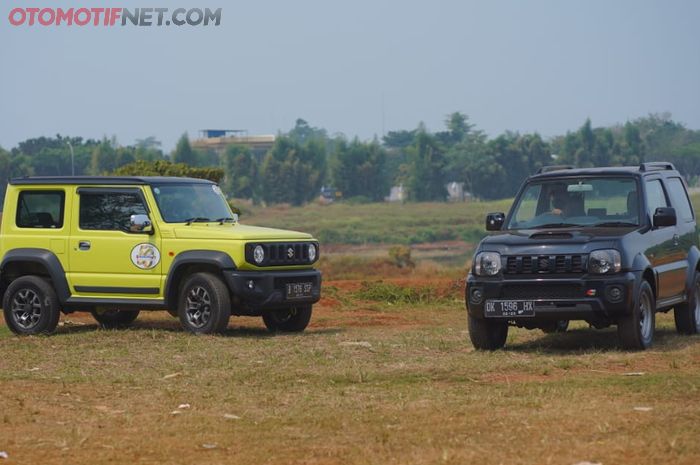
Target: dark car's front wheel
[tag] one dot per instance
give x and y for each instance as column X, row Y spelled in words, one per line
column 636, row 330
column 487, row 334
column 687, row 315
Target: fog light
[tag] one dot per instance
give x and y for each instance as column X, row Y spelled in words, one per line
column 477, row 295
column 251, row 284
column 614, row 293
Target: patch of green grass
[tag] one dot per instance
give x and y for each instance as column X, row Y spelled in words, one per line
column 389, row 293
column 384, row 223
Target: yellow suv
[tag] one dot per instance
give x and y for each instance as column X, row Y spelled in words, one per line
column 116, row 245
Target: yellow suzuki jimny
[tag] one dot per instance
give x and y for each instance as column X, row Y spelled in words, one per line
column 116, row 245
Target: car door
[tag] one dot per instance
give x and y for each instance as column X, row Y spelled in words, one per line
column 663, row 247
column 686, row 235
column 106, row 258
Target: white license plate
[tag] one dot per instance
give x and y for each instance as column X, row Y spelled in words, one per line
column 509, row 308
column 299, row 290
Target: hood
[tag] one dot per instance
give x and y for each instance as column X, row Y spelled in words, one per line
column 553, row 241
column 236, row 231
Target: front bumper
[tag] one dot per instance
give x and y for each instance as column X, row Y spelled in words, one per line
column 578, row 298
column 268, row 289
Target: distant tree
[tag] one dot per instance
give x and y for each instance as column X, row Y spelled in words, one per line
column 240, row 172
column 399, row 139
column 183, row 152
column 303, row 132
column 426, row 169
column 293, row 172
column 149, row 143
column 358, row 169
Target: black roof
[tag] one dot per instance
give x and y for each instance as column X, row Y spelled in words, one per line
column 644, row 168
column 107, row 180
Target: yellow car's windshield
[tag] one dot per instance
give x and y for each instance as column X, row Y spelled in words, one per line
column 180, row 203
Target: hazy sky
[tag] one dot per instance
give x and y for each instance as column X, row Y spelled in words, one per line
column 358, row 67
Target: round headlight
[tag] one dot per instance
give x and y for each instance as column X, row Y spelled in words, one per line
column 312, row 252
column 604, row 261
column 487, row 264
column 258, row 254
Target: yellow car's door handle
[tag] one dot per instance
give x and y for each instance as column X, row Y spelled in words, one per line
column 84, row 245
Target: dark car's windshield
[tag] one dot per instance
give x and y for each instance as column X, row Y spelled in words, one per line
column 584, row 201
column 179, row 203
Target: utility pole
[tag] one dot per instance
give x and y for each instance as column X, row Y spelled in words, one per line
column 72, row 158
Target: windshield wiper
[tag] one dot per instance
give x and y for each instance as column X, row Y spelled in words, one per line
column 224, row 219
column 606, row 224
column 196, row 219
column 555, row 225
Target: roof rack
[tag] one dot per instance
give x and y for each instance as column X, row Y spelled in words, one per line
column 657, row 166
column 547, row 169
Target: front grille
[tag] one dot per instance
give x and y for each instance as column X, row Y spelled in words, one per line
column 282, row 253
column 545, row 264
column 541, row 291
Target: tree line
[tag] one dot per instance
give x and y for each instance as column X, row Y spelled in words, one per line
column 306, row 158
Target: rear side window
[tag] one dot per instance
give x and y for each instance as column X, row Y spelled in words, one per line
column 655, row 196
column 40, row 209
column 109, row 211
column 679, row 198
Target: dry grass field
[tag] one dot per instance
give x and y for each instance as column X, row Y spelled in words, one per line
column 385, row 374
column 369, row 382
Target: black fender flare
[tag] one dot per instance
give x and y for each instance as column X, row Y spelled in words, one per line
column 45, row 258
column 640, row 264
column 693, row 260
column 220, row 260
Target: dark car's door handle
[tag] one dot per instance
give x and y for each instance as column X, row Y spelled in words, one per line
column 84, row 245
column 676, row 239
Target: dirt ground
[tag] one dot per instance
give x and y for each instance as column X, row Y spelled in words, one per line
column 367, row 382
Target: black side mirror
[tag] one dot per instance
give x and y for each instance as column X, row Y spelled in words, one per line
column 494, row 221
column 664, row 216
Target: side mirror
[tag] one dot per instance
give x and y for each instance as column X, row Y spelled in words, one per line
column 664, row 216
column 494, row 221
column 140, row 224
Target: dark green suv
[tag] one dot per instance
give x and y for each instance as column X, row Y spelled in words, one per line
column 603, row 245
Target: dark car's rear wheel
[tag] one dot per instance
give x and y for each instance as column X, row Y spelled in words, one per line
column 204, row 306
column 31, row 306
column 112, row 318
column 687, row 315
column 636, row 330
column 487, row 334
column 290, row 320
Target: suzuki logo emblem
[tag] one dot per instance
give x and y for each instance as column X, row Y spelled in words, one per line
column 290, row 252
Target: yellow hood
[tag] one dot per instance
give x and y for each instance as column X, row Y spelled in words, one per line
column 236, row 231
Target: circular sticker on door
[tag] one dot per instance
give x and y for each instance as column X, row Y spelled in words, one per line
column 145, row 256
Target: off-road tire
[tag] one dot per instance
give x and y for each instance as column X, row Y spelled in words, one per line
column 291, row 320
column 687, row 315
column 487, row 334
column 31, row 306
column 559, row 326
column 204, row 304
column 636, row 330
column 113, row 319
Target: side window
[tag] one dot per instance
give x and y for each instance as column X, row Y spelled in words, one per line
column 40, row 209
column 679, row 199
column 655, row 196
column 109, row 211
